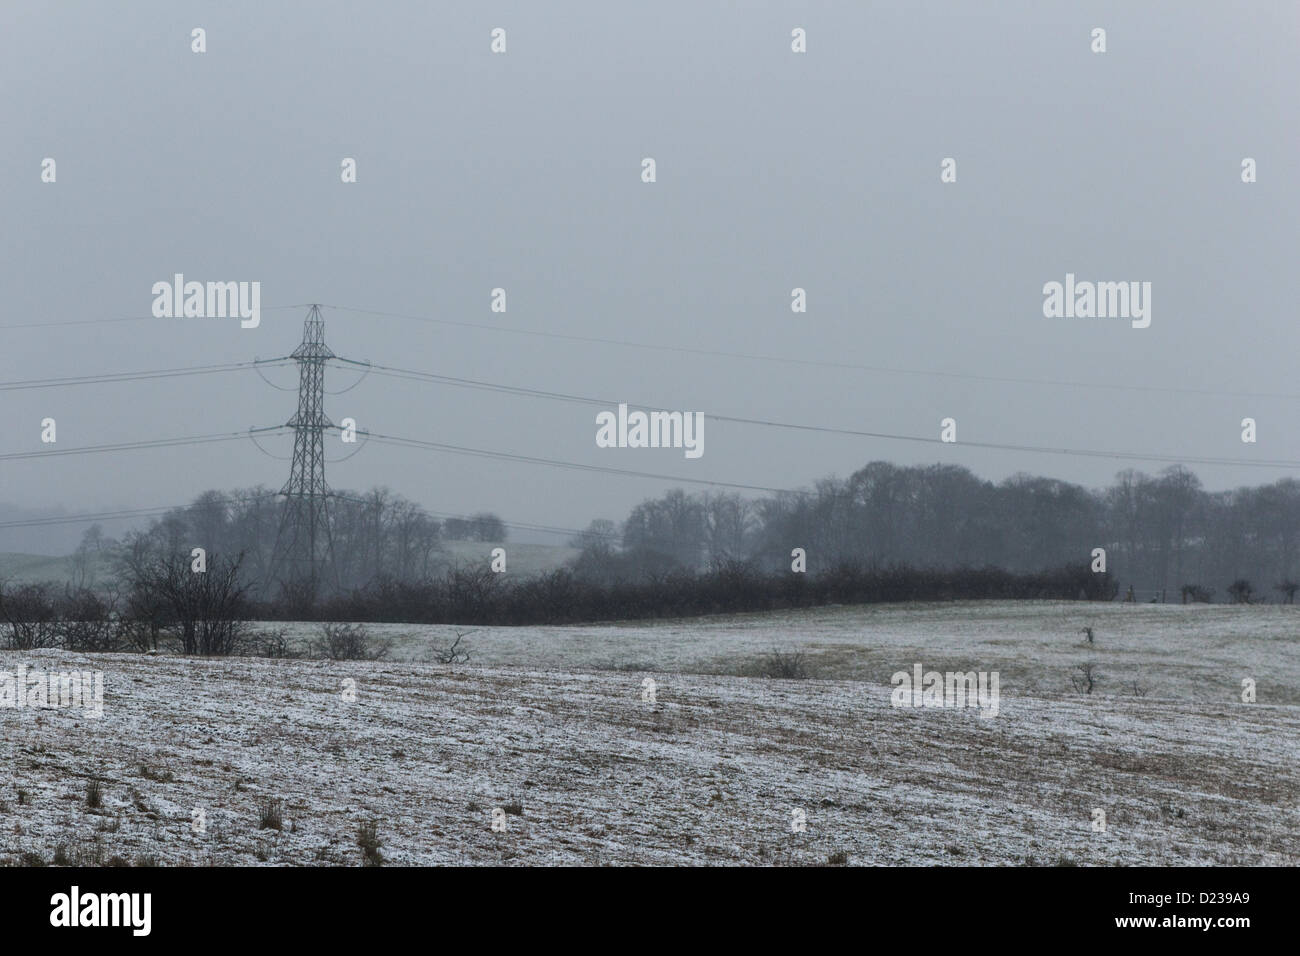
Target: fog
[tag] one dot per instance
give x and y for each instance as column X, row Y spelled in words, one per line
column 523, row 171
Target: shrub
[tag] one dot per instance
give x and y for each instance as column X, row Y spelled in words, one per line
column 1241, row 591
column 452, row 653
column 273, row 644
column 783, row 665
column 87, row 621
column 271, row 815
column 1085, row 678
column 31, row 614
column 350, row 642
column 368, row 840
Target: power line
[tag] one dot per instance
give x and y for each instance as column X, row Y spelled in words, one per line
column 746, row 356
column 120, row 514
column 125, row 318
column 139, row 376
column 820, row 363
column 78, row 519
column 134, row 446
column 577, row 466
column 412, row 374
column 556, row 463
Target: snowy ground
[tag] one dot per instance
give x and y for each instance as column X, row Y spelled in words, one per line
column 550, row 725
column 1194, row 652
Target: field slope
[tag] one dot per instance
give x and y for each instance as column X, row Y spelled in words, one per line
column 711, row 772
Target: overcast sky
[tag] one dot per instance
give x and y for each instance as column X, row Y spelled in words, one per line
column 775, row 170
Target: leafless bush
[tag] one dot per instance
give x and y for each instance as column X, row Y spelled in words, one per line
column 783, row 665
column 273, row 644
column 452, row 653
column 31, row 614
column 368, row 840
column 350, row 642
column 1085, row 678
column 205, row 609
column 270, row 816
column 89, row 621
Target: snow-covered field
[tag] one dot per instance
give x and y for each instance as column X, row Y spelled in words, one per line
column 550, row 725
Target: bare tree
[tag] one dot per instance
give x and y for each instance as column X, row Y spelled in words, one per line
column 1241, row 591
column 1085, row 677
column 32, row 615
column 205, row 607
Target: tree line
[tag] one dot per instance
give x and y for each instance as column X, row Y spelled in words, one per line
column 886, row 533
column 1163, row 534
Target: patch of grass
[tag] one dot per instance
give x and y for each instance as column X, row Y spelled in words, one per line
column 368, row 840
column 270, row 816
column 159, row 774
column 838, row 858
column 514, row 808
column 92, row 855
column 94, row 794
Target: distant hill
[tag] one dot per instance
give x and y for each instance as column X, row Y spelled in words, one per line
column 26, row 568
column 521, row 559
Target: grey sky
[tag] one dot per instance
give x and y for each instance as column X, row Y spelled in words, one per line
column 522, row 170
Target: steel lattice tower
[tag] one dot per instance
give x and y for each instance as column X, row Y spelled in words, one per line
column 303, row 541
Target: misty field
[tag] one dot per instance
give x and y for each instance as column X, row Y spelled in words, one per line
column 549, row 728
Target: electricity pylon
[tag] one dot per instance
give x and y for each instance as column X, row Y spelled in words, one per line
column 303, row 543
